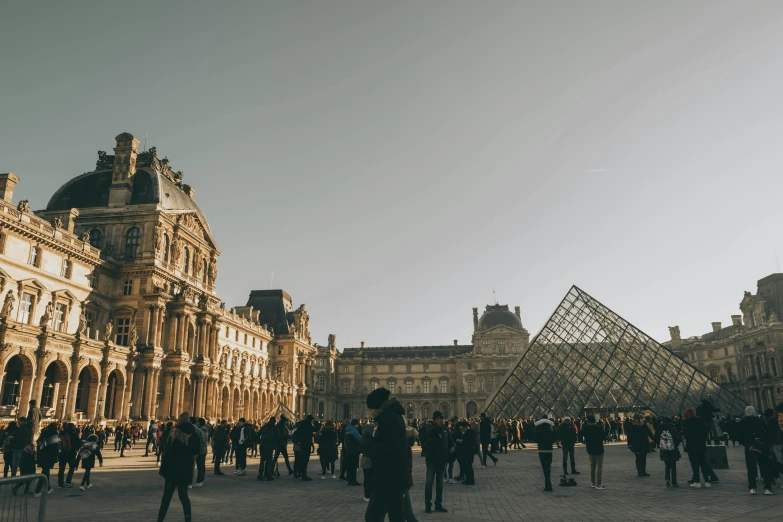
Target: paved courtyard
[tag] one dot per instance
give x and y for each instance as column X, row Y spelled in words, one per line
column 130, row 488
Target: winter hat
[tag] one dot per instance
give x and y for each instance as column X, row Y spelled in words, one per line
column 689, row 413
column 184, row 418
column 750, row 411
column 377, row 397
column 437, row 415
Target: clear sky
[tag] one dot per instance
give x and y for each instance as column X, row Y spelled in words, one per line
column 392, row 162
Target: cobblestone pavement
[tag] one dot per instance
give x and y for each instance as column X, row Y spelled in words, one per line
column 130, row 488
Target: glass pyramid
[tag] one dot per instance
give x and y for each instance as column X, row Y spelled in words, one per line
column 588, row 358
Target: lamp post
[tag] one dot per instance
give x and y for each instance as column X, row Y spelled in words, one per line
column 62, row 409
column 99, row 412
column 130, row 406
column 241, row 408
column 15, row 397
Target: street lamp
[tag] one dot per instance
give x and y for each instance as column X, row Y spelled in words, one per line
column 99, row 412
column 241, row 408
column 62, row 408
column 130, row 406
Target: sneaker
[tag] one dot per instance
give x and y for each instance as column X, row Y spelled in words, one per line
column 707, row 485
column 50, row 492
column 696, row 485
column 190, row 486
column 366, row 499
column 334, row 476
column 450, row 481
column 600, row 487
column 198, row 485
column 592, row 485
column 768, row 492
column 82, row 488
column 441, row 509
column 89, row 485
column 38, row 495
column 323, row 477
column 752, row 491
column 68, row 485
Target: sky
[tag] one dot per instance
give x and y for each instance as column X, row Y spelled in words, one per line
column 391, row 163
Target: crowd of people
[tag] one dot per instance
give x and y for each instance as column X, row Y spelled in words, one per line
column 382, row 448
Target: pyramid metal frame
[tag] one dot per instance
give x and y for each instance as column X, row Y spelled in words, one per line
column 586, row 357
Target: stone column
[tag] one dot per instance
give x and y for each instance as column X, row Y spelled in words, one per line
column 138, row 394
column 213, row 342
column 171, row 341
column 155, row 323
column 128, row 392
column 201, row 396
column 70, row 399
column 165, row 400
column 149, row 378
column 181, row 337
column 38, row 381
column 161, row 324
column 147, row 324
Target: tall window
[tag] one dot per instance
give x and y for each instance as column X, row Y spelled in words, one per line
column 204, row 268
column 25, row 308
column 65, row 271
column 485, row 347
column 60, row 310
column 444, row 386
column 166, row 247
column 96, row 238
column 127, row 287
column 392, row 384
column 132, row 243
column 502, row 348
column 94, row 279
column 408, row 388
column 123, row 329
column 488, row 383
column 391, row 368
column 90, row 316
column 426, row 386
column 346, row 387
column 279, row 373
column 426, row 367
column 35, row 256
column 470, row 385
column 321, row 383
column 443, row 367
column 186, row 260
column 374, row 385
column 321, row 362
column 516, row 346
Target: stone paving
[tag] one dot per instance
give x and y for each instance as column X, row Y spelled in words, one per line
column 130, row 489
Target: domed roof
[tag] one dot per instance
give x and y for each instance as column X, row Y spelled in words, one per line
column 496, row 315
column 91, row 190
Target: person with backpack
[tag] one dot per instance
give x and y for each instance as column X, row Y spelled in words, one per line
column 544, row 436
column 8, row 450
column 181, row 445
column 668, row 439
column 87, row 455
column 566, row 434
column 268, row 444
column 281, row 444
column 757, row 452
column 48, row 450
column 593, row 437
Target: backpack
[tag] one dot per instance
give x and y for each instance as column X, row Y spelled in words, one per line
column 65, row 443
column 667, row 441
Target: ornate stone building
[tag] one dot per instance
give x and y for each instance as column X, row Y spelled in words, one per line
column 110, row 310
column 746, row 355
column 455, row 379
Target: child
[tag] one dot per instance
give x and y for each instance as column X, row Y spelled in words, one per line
column 87, row 454
column 26, row 467
column 668, row 438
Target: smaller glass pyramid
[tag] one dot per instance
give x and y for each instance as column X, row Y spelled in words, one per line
column 588, row 358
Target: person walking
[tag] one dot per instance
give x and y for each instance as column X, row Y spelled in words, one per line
column 667, row 439
column 268, row 437
column 696, row 434
column 327, row 451
column 365, row 462
column 593, row 436
column 544, row 436
column 389, row 458
column 22, row 439
column 281, row 443
column 566, row 434
column 8, row 450
column 152, row 432
column 437, row 448
column 466, row 448
column 303, row 439
column 201, row 458
column 48, row 450
column 176, row 468
column 87, row 455
column 34, row 417
column 639, row 436
column 219, row 445
column 757, row 453
column 240, row 439
column 352, row 438
column 407, row 507
column 485, row 432
column 69, row 447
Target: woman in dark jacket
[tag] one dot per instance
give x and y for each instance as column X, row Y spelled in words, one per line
column 467, row 447
column 182, row 444
column 8, row 452
column 48, row 450
column 327, row 449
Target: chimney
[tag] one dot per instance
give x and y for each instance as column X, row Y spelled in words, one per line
column 736, row 320
column 362, row 344
column 516, row 312
column 188, row 190
column 124, row 170
column 7, row 183
column 455, row 342
column 475, row 319
column 716, row 327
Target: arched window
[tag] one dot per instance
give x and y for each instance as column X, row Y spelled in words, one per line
column 204, row 270
column 186, row 260
column 166, row 248
column 96, row 238
column 132, row 243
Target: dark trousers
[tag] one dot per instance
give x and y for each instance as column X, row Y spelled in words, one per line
column 546, row 465
column 45, row 473
column 284, row 452
column 241, row 457
column 434, row 474
column 65, row 461
column 351, row 462
column 698, row 459
column 761, row 462
column 267, row 465
column 327, row 465
column 384, row 502
column 86, row 477
column 218, row 453
column 150, row 442
column 568, row 450
column 466, row 468
column 301, row 460
column 641, row 463
column 367, row 482
column 486, row 453
column 671, row 470
column 168, row 492
column 201, row 467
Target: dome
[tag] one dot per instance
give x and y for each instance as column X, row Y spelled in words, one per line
column 91, row 190
column 496, row 315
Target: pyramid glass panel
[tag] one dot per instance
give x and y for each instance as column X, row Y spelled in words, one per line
column 588, row 357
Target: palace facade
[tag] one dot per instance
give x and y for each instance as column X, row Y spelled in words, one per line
column 745, row 356
column 110, row 310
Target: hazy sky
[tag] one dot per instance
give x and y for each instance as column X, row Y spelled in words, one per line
column 392, row 162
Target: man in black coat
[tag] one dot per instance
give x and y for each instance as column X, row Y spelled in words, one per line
column 219, row 445
column 389, row 456
column 639, row 443
column 69, row 446
column 485, row 432
column 696, row 433
column 566, row 434
column 281, row 443
column 437, row 448
column 240, row 439
column 303, row 439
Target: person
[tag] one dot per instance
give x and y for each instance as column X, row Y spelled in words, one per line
column 26, row 467
column 48, row 450
column 87, row 455
column 485, row 432
column 303, row 439
column 455, row 434
column 593, row 436
column 754, row 439
column 389, row 458
column 706, row 412
column 352, row 439
column 201, row 458
column 545, row 438
column 327, row 451
column 777, row 447
column 20, row 442
column 8, row 450
column 152, row 433
column 437, row 447
column 696, row 433
column 268, row 437
column 176, row 468
column 34, row 417
column 365, row 448
column 219, row 444
column 466, row 448
column 69, row 447
column 240, row 439
column 667, row 439
column 281, row 443
column 411, row 435
column 639, row 436
column 566, row 434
